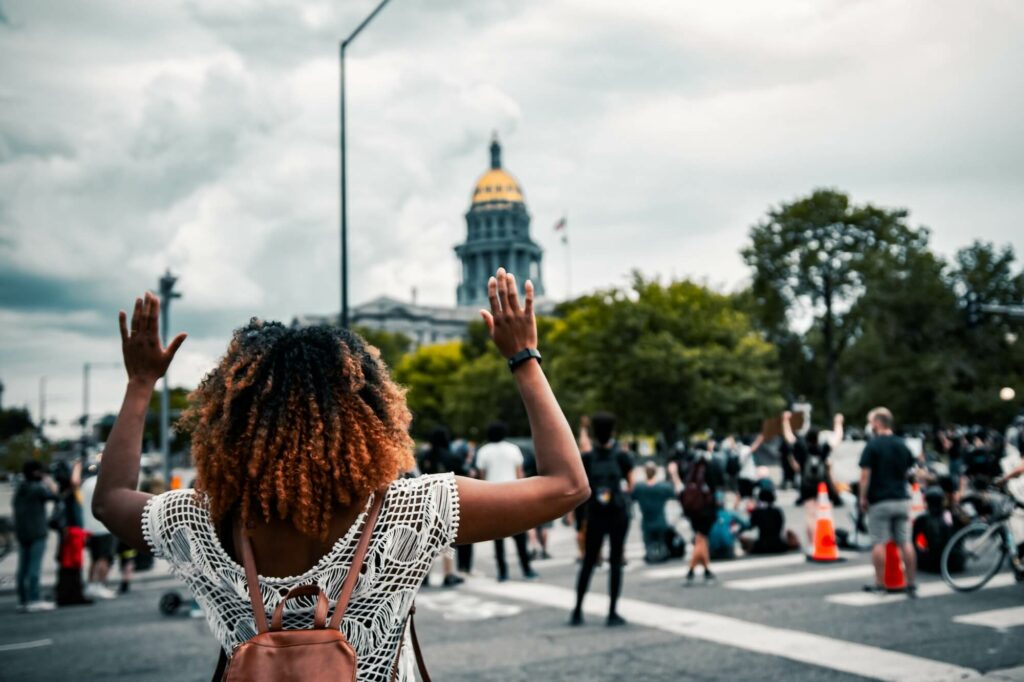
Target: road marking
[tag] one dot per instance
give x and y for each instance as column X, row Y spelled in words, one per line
column 17, row 646
column 930, row 589
column 821, row 575
column 460, row 607
column 999, row 619
column 733, row 566
column 824, row 652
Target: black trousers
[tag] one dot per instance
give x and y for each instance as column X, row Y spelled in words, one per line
column 613, row 523
column 524, row 555
column 464, row 555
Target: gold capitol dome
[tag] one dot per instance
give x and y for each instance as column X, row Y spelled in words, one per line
column 497, row 185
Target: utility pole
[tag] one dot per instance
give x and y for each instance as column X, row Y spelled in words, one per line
column 344, row 317
column 167, row 294
column 42, row 405
column 86, row 368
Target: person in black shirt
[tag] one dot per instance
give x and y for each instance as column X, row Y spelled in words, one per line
column 886, row 466
column 607, row 513
column 804, row 455
column 772, row 535
column 439, row 459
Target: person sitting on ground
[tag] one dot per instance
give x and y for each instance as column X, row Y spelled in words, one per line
column 770, row 523
column 932, row 531
column 299, row 436
column 651, row 495
column 725, row 533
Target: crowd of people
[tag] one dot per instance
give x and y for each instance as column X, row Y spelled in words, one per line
column 57, row 505
column 301, row 443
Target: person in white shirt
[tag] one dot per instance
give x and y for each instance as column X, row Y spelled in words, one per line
column 499, row 462
column 101, row 546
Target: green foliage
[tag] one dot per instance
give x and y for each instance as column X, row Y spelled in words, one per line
column 815, row 255
column 427, row 373
column 22, row 448
column 14, row 422
column 887, row 314
column 660, row 356
column 392, row 345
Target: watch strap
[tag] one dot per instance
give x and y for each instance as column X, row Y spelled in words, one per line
column 524, row 356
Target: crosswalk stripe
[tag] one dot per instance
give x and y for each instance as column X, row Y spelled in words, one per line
column 821, row 575
column 930, row 589
column 997, row 618
column 825, row 652
column 734, row 566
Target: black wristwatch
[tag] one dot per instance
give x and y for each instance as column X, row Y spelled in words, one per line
column 522, row 357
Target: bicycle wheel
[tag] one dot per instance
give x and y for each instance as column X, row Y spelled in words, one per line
column 978, row 551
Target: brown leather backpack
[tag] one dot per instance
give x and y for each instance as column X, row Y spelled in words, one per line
column 321, row 653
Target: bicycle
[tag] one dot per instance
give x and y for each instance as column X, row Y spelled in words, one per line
column 977, row 551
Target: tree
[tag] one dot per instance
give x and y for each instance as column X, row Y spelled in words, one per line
column 14, row 422
column 24, row 447
column 392, row 345
column 427, row 373
column 905, row 344
column 664, row 355
column 990, row 355
column 812, row 255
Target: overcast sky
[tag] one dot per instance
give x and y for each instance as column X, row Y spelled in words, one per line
column 202, row 136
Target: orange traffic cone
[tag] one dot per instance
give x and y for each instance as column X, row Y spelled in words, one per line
column 916, row 501
column 175, row 482
column 825, row 548
column 895, row 581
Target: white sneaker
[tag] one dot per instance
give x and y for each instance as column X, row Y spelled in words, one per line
column 99, row 591
column 38, row 606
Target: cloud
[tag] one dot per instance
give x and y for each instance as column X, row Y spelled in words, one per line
column 202, row 137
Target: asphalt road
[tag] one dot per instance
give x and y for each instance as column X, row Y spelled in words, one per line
column 765, row 619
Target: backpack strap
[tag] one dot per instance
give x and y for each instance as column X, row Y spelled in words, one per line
column 253, row 581
column 420, row 663
column 357, row 560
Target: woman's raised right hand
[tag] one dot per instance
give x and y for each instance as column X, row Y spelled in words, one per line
column 512, row 327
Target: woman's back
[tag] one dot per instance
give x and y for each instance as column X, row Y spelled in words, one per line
column 418, row 520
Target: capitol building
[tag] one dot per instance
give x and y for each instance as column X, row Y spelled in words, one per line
column 497, row 235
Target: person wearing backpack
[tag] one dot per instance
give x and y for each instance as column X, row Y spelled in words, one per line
column 299, row 436
column 609, row 472
column 808, row 457
column 698, row 497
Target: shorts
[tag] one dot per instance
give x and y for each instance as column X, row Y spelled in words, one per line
column 889, row 520
column 101, row 547
column 745, row 487
column 702, row 521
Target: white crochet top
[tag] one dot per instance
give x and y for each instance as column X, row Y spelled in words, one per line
column 418, row 520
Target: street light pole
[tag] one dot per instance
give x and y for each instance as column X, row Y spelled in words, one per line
column 344, row 316
column 167, row 294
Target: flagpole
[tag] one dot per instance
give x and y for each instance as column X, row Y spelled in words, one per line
column 568, row 259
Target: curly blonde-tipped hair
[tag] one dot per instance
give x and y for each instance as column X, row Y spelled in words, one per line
column 293, row 423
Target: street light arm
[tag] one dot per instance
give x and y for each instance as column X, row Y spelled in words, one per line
column 363, row 25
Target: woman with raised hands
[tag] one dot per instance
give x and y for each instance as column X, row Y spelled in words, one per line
column 299, row 437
